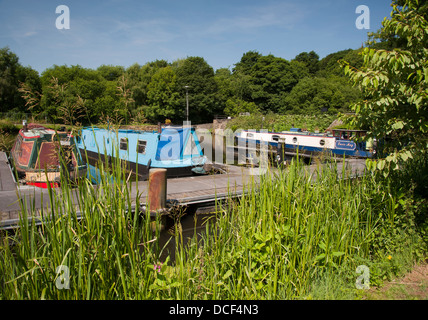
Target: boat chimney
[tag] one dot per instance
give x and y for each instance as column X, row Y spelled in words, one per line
column 24, row 125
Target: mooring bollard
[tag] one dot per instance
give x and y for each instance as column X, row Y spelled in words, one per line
column 157, row 189
column 157, row 195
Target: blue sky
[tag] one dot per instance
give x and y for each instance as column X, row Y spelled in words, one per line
column 124, row 32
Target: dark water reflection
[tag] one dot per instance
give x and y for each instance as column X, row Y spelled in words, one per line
column 192, row 224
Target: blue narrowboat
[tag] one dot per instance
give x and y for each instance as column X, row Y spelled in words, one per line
column 341, row 142
column 176, row 149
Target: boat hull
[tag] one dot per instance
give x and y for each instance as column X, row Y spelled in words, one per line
column 306, row 145
column 44, row 179
column 94, row 159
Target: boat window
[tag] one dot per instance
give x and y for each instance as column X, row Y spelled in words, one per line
column 123, row 144
column 141, row 146
column 294, row 140
column 275, row 138
column 322, row 142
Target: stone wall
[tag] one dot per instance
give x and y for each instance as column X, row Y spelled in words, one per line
column 220, row 123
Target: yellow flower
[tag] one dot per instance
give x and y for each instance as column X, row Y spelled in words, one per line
column 389, row 257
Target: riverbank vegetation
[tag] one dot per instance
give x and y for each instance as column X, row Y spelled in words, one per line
column 277, row 123
column 296, row 235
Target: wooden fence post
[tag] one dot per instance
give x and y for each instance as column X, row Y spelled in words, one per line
column 157, row 193
column 157, row 189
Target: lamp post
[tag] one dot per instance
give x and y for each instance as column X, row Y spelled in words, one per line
column 187, row 103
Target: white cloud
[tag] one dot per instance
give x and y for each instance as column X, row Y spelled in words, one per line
column 284, row 14
column 144, row 32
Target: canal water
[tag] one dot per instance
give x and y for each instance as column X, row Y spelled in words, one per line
column 193, row 224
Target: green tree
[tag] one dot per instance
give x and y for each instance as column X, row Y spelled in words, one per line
column 105, row 105
column 30, row 90
column 241, row 84
column 162, row 96
column 313, row 95
column 248, row 60
column 78, row 83
column 329, row 65
column 138, row 89
column 233, row 89
column 111, row 73
column 198, row 75
column 224, row 80
column 9, row 97
column 12, row 76
column 68, row 111
column 139, row 78
column 310, row 59
column 394, row 84
column 272, row 78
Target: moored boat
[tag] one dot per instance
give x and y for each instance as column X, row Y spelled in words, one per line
column 41, row 155
column 176, row 149
column 339, row 143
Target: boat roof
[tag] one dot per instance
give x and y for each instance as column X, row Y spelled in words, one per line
column 348, row 130
column 169, row 128
column 294, row 133
column 36, row 133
